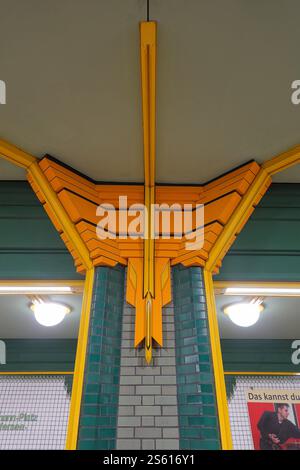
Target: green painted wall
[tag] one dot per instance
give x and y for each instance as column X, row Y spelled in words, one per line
column 264, row 355
column 30, row 247
column 268, row 248
column 39, row 355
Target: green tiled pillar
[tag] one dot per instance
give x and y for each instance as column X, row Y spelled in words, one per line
column 197, row 410
column 99, row 408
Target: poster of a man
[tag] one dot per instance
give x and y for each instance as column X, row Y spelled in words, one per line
column 275, row 428
column 274, row 423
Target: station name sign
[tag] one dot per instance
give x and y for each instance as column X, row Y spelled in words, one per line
column 2, row 352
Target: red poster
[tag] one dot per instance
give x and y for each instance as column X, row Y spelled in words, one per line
column 274, row 418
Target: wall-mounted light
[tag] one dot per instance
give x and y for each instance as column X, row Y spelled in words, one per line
column 244, row 314
column 49, row 313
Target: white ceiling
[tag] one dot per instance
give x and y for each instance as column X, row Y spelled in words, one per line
column 292, row 175
column 279, row 320
column 17, row 319
column 225, row 70
column 10, row 172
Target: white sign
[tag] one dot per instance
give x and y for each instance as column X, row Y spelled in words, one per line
column 296, row 354
column 2, row 352
column 2, row 92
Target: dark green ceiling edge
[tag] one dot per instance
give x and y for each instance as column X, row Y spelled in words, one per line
column 30, row 247
column 268, row 248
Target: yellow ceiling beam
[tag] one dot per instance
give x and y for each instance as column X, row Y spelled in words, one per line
column 23, row 159
column 237, row 220
column 60, row 213
column 283, row 161
column 268, row 168
column 148, row 77
column 16, row 156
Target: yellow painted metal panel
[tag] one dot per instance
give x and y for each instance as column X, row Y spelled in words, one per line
column 74, row 415
column 220, row 387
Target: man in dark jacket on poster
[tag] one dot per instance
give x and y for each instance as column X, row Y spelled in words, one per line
column 275, row 428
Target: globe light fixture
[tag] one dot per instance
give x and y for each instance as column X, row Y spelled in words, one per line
column 49, row 313
column 244, row 314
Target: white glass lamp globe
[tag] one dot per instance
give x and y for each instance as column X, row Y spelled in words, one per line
column 244, row 314
column 49, row 313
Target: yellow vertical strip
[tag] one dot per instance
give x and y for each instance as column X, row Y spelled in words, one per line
column 146, row 280
column 72, row 433
column 148, row 75
column 151, row 259
column 220, row 387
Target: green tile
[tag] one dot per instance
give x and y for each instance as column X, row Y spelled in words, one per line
column 95, row 421
column 209, row 411
column 194, row 399
column 189, row 341
column 87, row 444
column 205, row 377
column 191, row 359
column 190, row 410
column 98, row 420
column 201, row 421
column 208, row 399
column 209, row 433
column 204, row 358
column 205, row 367
column 186, row 369
column 92, row 388
column 188, row 389
column 89, row 410
column 207, row 388
column 87, row 433
column 204, row 444
column 198, row 423
column 192, row 433
column 91, row 399
column 106, row 433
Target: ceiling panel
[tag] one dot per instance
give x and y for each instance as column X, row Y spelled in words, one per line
column 72, row 75
column 8, row 171
column 225, row 70
column 291, row 175
column 224, row 84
